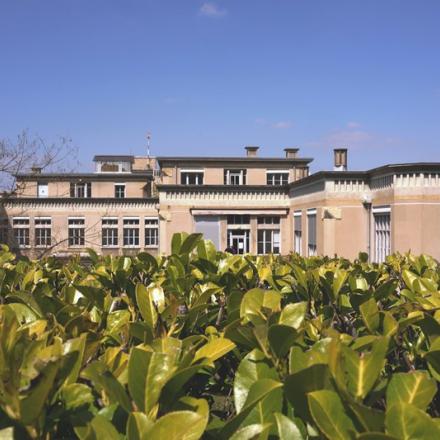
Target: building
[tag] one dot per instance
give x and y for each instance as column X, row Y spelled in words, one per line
column 252, row 204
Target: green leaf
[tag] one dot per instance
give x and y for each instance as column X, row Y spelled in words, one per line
column 179, row 425
column 253, row 367
column 214, row 349
column 252, row 432
column 32, row 405
column 370, row 314
column 338, row 281
column 329, row 415
column 147, row 374
column 138, row 426
column 288, row 429
column 293, row 314
column 407, row 422
column 146, row 305
column 190, row 243
column 257, row 304
column 258, row 391
column 417, row 388
column 357, row 372
column 281, row 338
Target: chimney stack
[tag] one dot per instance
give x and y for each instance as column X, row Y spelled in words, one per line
column 340, row 157
column 36, row 170
column 251, row 151
column 291, row 152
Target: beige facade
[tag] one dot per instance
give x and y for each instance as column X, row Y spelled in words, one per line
column 250, row 204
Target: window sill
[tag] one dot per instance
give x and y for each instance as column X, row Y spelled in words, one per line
column 110, row 247
column 152, row 246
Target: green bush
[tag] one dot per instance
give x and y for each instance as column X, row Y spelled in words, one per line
column 206, row 344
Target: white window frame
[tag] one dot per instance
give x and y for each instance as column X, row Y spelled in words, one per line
column 79, row 226
column 192, row 171
column 121, row 185
column 130, row 229
column 234, row 173
column 151, row 226
column 277, row 172
column 312, row 248
column 118, row 163
column 270, row 244
column 43, row 226
column 111, row 227
column 297, row 238
column 17, row 230
column 76, row 186
column 381, row 232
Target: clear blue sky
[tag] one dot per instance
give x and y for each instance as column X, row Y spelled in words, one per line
column 208, row 77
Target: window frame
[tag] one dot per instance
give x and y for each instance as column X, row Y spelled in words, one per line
column 229, row 173
column 43, row 241
column 73, row 237
column 19, row 228
column 131, row 232
column 297, row 233
column 185, row 173
column 272, row 174
column 312, row 245
column 108, row 224
column 119, row 185
column 151, row 227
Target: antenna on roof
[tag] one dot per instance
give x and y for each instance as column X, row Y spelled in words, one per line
column 148, row 148
column 148, row 144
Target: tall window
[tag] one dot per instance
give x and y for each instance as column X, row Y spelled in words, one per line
column 109, row 232
column 268, row 235
column 131, row 232
column 43, row 231
column 297, row 238
column 277, row 177
column 76, row 231
column 382, row 233
column 151, row 232
column 20, row 226
column 119, row 190
column 191, row 177
column 3, row 231
column 80, row 189
column 235, row 177
column 311, row 232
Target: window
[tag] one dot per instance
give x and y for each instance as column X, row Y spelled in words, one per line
column 239, row 219
column 191, row 177
column 268, row 241
column 382, row 233
column 109, row 232
column 131, row 232
column 113, row 167
column 268, row 236
column 311, row 232
column 21, row 231
column 268, row 220
column 43, row 189
column 3, row 231
column 297, row 238
column 277, row 177
column 151, row 232
column 76, row 231
column 80, row 189
column 235, row 177
column 120, row 190
column 43, row 231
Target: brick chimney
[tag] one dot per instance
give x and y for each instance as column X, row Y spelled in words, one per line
column 340, row 159
column 251, row 151
column 291, row 152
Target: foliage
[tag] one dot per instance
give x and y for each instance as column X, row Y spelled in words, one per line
column 206, row 344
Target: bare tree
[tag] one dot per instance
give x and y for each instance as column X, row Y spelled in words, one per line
column 27, row 152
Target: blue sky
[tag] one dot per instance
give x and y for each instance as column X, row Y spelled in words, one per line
column 208, row 77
